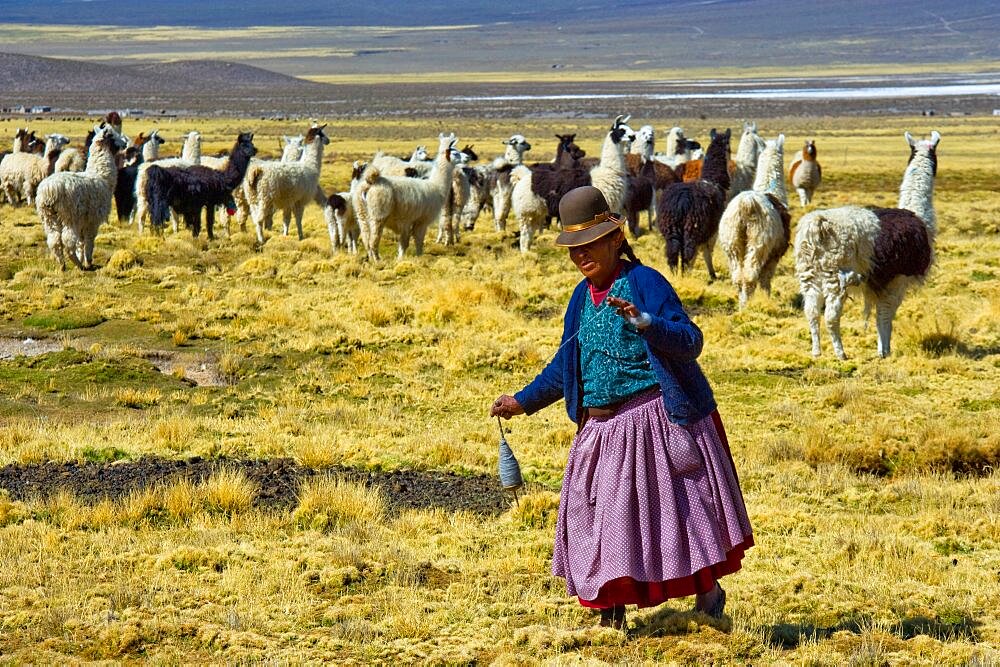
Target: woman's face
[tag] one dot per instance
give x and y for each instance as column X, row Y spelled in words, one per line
column 598, row 260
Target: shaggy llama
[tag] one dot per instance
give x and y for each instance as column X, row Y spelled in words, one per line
column 72, row 205
column 755, row 228
column 884, row 251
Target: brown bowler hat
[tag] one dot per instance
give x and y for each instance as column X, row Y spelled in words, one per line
column 585, row 217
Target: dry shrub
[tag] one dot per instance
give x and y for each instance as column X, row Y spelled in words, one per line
column 228, row 491
column 330, row 503
column 181, row 500
column 130, row 397
column 232, row 366
column 57, row 299
column 954, row 449
column 140, row 506
column 536, row 510
column 121, row 261
column 174, row 433
column 316, row 453
column 824, row 444
column 11, row 511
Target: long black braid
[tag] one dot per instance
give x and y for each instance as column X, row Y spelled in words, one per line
column 626, row 249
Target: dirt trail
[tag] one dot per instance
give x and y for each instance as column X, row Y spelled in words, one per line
column 277, row 479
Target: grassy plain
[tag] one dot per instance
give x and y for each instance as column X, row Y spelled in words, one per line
column 871, row 483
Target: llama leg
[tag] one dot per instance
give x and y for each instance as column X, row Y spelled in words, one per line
column 527, row 232
column 286, row 220
column 210, row 221
column 885, row 312
column 812, row 309
column 706, row 252
column 832, row 311
column 72, row 246
column 803, row 199
column 419, row 232
column 501, row 208
column 403, row 243
column 88, row 251
column 54, row 240
column 299, row 210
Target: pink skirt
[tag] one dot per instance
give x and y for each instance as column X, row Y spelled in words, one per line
column 649, row 510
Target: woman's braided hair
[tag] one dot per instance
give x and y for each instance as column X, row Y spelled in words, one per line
column 626, row 249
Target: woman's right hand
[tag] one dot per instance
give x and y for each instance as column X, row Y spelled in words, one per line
column 506, row 406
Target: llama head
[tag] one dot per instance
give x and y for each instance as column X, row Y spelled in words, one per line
column 244, row 142
column 56, row 141
column 316, row 132
column 132, row 155
column 155, row 137
column 34, row 145
column 470, row 154
column 720, row 139
column 646, row 135
column 809, row 150
column 518, row 143
column 139, row 140
column 621, row 132
column 927, row 147
column 420, row 154
column 567, row 144
column 106, row 137
column 357, row 169
column 446, row 143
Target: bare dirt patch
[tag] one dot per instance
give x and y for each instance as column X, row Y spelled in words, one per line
column 27, row 347
column 278, row 481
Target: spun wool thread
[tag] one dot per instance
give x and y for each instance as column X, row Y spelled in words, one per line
column 509, row 468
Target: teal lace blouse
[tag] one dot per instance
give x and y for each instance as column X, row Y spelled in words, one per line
column 613, row 360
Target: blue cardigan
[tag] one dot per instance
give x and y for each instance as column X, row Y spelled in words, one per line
column 673, row 342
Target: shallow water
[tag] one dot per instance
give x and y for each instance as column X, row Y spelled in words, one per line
column 838, row 93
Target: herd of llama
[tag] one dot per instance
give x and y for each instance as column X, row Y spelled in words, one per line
column 694, row 198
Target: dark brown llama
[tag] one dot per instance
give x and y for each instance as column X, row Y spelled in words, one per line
column 688, row 213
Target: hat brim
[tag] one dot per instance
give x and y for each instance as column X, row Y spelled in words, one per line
column 590, row 234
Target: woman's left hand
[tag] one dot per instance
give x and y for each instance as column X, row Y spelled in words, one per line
column 624, row 308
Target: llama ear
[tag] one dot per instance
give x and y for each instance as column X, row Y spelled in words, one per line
column 935, row 138
column 711, row 134
column 729, row 133
column 909, row 139
column 753, row 127
column 780, row 143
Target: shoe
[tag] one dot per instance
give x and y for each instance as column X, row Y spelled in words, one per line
column 719, row 606
column 613, row 617
column 716, row 610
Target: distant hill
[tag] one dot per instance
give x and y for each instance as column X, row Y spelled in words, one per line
column 34, row 74
column 318, row 37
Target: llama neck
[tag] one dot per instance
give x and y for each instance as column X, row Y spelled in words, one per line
column 313, row 154
column 672, row 143
column 441, row 173
column 18, row 146
column 290, row 153
column 770, row 177
column 236, row 166
column 101, row 164
column 916, row 193
column 746, row 154
column 192, row 149
column 714, row 168
column 611, row 154
column 513, row 155
column 151, row 150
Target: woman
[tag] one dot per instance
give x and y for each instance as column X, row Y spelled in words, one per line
column 650, row 507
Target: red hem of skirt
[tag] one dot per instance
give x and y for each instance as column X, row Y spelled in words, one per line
column 626, row 590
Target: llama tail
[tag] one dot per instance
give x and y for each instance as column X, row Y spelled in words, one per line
column 251, row 182
column 157, row 195
column 371, row 175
